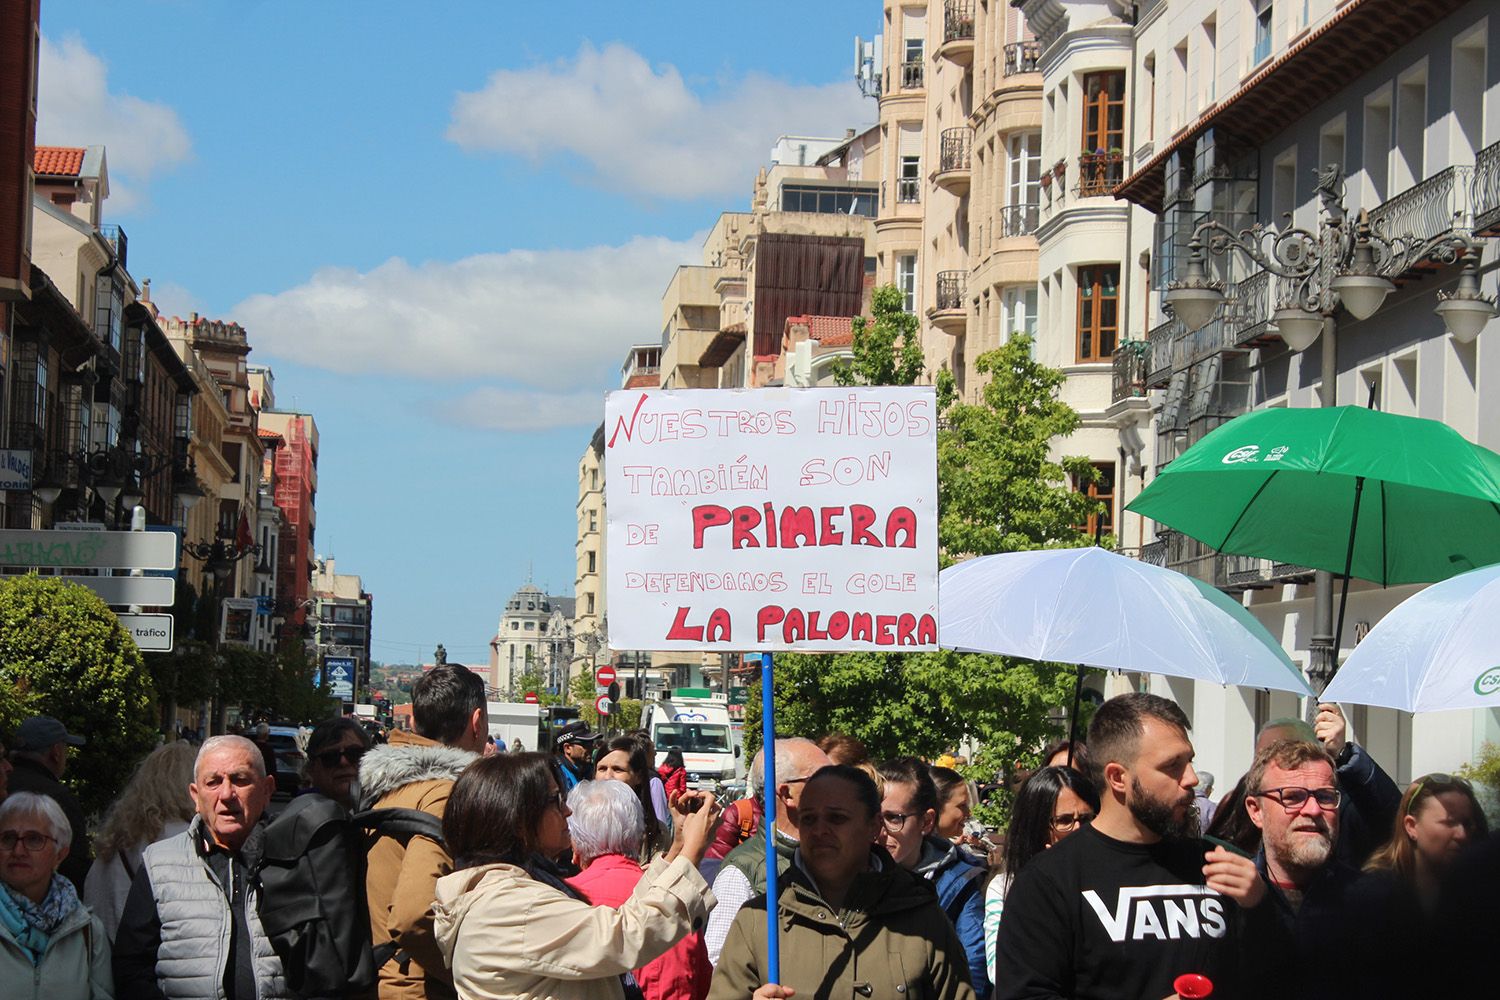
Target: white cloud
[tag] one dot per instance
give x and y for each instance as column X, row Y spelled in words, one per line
column 172, row 299
column 548, row 326
column 641, row 129
column 491, row 408
column 77, row 108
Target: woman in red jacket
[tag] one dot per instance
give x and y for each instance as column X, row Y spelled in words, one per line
column 607, row 824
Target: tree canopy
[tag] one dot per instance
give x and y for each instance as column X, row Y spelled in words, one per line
column 63, row 653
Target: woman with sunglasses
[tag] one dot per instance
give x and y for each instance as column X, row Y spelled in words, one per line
column 334, row 751
column 1438, row 817
column 48, row 938
column 1055, row 801
column 507, row 923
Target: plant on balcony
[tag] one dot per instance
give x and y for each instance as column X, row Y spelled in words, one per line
column 1046, row 181
column 1060, row 168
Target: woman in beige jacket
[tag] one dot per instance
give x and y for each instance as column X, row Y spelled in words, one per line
column 509, row 927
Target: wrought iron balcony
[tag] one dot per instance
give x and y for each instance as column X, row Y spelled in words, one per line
column 1437, row 205
column 958, row 20
column 1019, row 220
column 950, row 290
column 1021, row 57
column 953, row 159
column 1485, row 191
column 1161, row 338
column 1098, row 173
column 911, row 75
column 1132, row 358
column 948, row 312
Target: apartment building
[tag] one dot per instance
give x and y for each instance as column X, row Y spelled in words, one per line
column 342, row 613
column 535, row 636
column 1236, row 110
column 590, row 643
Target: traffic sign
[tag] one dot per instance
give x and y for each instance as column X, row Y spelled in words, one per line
column 147, row 591
column 152, row 633
column 605, row 675
column 531, row 698
column 339, row 672
column 89, row 550
column 614, row 691
column 603, row 704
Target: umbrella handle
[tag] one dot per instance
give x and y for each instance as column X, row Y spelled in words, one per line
column 1338, row 629
column 1073, row 718
column 768, row 757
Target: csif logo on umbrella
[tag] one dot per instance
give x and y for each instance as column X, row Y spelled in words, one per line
column 1251, row 453
column 1488, row 683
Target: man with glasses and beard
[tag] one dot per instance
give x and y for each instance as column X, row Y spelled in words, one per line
column 1123, row 907
column 1343, row 927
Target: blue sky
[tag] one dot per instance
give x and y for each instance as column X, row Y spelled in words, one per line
column 442, row 226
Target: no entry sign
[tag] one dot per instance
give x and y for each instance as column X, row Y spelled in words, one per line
column 605, row 675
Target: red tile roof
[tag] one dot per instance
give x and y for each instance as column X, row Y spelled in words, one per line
column 58, row 161
column 643, row 382
column 266, row 435
column 830, row 331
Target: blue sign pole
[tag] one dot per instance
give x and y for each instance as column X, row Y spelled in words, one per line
column 768, row 755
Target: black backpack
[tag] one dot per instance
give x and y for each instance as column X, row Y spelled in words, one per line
column 311, row 872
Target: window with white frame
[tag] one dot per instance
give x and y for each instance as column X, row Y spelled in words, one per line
column 1018, row 311
column 1024, row 188
column 906, row 280
column 1262, row 51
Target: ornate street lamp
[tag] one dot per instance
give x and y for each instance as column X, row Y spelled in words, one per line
column 1334, row 266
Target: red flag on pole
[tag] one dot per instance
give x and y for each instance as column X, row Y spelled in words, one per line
column 243, row 538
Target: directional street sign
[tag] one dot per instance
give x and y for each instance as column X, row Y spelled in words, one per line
column 147, row 591
column 152, row 633
column 89, row 549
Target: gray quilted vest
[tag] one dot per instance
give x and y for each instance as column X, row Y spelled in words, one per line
column 196, row 926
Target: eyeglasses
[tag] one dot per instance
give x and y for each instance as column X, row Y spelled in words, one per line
column 331, row 758
column 895, row 821
column 31, row 840
column 1293, row 799
column 559, row 799
column 1064, row 822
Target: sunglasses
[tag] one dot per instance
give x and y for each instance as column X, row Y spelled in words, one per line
column 559, row 799
column 331, row 758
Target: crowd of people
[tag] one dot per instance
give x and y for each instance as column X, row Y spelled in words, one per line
column 591, row 872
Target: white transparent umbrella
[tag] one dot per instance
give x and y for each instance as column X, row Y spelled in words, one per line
column 1436, row 650
column 1094, row 608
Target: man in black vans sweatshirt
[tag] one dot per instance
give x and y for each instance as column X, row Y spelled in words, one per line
column 1125, row 906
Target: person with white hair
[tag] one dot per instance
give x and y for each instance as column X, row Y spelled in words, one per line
column 191, row 926
column 607, row 825
column 48, row 938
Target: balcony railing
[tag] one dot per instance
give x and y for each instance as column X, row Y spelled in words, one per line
column 1159, row 358
column 1435, row 206
column 115, row 236
column 950, row 290
column 1098, row 173
column 1485, row 197
column 908, row 190
column 911, row 75
column 1130, row 362
column 1021, row 57
column 958, row 19
column 954, row 150
column 1019, row 220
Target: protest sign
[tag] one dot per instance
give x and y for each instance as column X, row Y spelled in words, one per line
column 772, row 519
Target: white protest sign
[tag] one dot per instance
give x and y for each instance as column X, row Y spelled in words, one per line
column 772, row 519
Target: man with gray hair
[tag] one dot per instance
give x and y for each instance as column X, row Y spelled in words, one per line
column 607, row 823
column 1368, row 798
column 742, row 876
column 191, row 925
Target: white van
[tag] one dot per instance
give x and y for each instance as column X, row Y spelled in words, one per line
column 696, row 722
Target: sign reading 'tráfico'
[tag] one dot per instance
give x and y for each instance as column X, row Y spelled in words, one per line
column 772, row 519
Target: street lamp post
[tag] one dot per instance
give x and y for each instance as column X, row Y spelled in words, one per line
column 1339, row 265
column 219, row 558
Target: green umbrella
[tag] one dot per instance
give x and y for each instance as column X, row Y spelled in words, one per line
column 1353, row 491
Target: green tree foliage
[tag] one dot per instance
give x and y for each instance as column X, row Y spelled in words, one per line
column 64, row 654
column 1000, row 490
column 887, row 350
